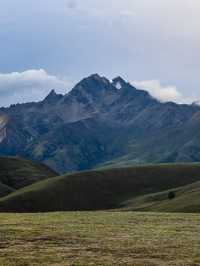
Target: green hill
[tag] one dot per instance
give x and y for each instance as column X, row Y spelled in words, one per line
column 186, row 199
column 5, row 190
column 102, row 189
column 16, row 173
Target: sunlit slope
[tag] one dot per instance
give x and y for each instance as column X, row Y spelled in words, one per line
column 187, row 199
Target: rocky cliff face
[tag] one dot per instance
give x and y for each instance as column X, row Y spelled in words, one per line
column 100, row 121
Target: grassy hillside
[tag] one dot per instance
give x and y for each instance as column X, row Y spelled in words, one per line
column 16, row 173
column 100, row 239
column 5, row 190
column 186, row 200
column 103, row 189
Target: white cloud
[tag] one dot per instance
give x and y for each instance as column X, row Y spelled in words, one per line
column 30, row 85
column 160, row 92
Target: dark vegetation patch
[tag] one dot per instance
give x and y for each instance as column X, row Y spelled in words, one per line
column 16, row 173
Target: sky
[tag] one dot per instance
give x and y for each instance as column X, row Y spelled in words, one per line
column 48, row 44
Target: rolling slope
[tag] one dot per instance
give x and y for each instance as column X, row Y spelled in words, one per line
column 16, row 173
column 100, row 189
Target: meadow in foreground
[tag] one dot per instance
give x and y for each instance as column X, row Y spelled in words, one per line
column 99, row 238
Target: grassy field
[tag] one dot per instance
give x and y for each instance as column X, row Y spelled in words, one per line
column 99, row 238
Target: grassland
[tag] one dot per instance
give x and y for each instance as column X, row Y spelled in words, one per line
column 186, row 200
column 99, row 238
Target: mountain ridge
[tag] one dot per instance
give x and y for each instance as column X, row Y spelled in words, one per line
column 100, row 121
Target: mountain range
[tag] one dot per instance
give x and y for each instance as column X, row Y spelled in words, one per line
column 101, row 123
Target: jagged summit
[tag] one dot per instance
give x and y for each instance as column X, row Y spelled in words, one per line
column 94, row 78
column 97, row 77
column 119, row 82
column 51, row 94
column 94, row 84
column 52, row 97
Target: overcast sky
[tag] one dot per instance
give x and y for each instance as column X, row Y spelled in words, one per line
column 49, row 44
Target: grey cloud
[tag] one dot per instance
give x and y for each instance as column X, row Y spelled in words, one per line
column 30, row 85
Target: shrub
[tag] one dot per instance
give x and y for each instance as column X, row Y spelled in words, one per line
column 171, row 195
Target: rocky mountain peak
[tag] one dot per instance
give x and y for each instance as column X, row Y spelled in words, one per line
column 94, row 77
column 119, row 82
column 100, row 121
column 93, row 80
column 52, row 94
column 93, row 85
column 52, row 97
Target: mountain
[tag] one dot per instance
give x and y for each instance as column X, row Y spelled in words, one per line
column 107, row 189
column 16, row 173
column 101, row 123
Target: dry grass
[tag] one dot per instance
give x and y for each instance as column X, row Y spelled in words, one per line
column 99, row 238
